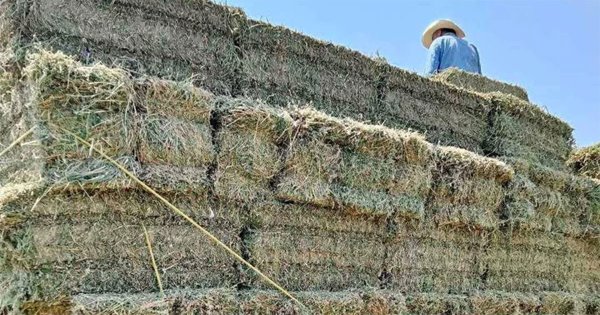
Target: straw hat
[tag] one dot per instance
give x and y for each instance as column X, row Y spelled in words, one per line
column 439, row 24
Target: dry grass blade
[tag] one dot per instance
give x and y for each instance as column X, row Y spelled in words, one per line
column 154, row 266
column 185, row 216
column 17, row 141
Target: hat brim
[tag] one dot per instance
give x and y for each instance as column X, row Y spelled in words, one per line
column 433, row 27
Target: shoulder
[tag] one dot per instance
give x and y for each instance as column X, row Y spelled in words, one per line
column 440, row 41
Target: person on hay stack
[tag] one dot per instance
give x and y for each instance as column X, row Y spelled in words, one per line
column 448, row 49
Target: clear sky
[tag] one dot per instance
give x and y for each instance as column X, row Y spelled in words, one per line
column 550, row 47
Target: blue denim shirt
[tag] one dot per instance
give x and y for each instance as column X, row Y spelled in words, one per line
column 450, row 51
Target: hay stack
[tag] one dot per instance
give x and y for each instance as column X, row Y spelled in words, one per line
column 478, row 83
column 173, row 41
column 519, row 129
column 586, row 161
column 176, row 144
column 364, row 168
column 309, row 248
column 249, row 155
column 469, row 189
column 282, row 66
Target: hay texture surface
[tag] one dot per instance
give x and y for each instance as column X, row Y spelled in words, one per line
column 586, row 161
column 165, row 40
column 309, row 248
column 479, row 83
column 282, row 66
column 444, row 114
column 519, row 129
column 365, row 168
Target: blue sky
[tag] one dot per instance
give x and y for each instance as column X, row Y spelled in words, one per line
column 550, row 47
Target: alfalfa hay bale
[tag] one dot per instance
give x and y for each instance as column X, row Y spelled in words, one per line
column 522, row 130
column 444, row 114
column 527, row 261
column 561, row 303
column 468, row 190
column 176, row 142
column 119, row 32
column 424, row 258
column 95, row 103
column 364, row 168
column 283, row 66
column 586, row 161
column 316, row 302
column 585, row 257
column 89, row 242
column 479, row 83
column 310, row 248
column 545, row 199
column 249, row 155
column 433, row 303
column 499, row 303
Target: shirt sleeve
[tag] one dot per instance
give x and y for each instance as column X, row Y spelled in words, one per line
column 433, row 60
column 478, row 59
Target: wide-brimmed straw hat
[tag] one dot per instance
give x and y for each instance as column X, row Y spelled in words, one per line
column 439, row 24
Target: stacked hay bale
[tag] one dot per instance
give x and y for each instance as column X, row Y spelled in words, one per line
column 282, row 66
column 175, row 40
column 586, row 161
column 479, row 83
column 522, row 130
column 77, row 226
column 440, row 254
column 444, row 114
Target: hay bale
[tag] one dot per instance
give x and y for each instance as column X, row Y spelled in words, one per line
column 522, row 130
column 423, row 258
column 526, row 261
column 308, row 248
column 175, row 148
column 468, row 190
column 498, row 302
column 444, row 114
column 94, row 102
column 561, row 303
column 586, row 161
column 85, row 242
column 479, row 83
column 585, row 257
column 364, row 168
column 431, row 303
column 143, row 37
column 283, row 66
column 316, row 302
column 248, row 143
column 541, row 198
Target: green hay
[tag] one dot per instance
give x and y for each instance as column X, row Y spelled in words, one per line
column 124, row 33
column 528, row 262
column 560, row 303
column 319, row 302
column 545, row 199
column 444, row 114
column 369, row 169
column 282, row 66
column 478, row 83
column 308, row 248
column 179, row 133
column 248, row 144
column 423, row 258
column 586, row 161
column 429, row 304
column 585, row 272
column 523, row 130
column 468, row 189
column 500, row 303
column 211, row 301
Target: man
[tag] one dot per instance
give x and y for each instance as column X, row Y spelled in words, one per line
column 447, row 48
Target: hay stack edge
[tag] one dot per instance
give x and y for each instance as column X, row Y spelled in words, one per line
column 359, row 187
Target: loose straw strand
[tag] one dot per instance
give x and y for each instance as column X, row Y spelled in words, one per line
column 187, row 218
column 154, row 266
column 17, row 141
